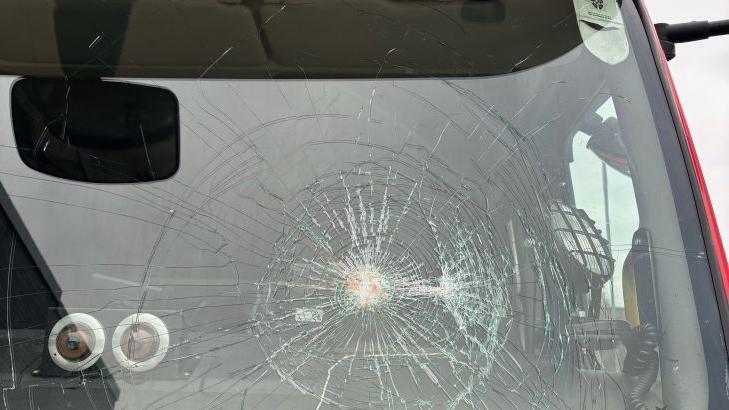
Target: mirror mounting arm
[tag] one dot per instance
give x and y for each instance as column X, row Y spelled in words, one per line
column 670, row 34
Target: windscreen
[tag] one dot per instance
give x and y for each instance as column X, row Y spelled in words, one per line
column 378, row 204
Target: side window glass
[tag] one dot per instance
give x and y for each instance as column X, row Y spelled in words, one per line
column 602, row 186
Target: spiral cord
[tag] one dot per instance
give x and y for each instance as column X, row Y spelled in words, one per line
column 641, row 364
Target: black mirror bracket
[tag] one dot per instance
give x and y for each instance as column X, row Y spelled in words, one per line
column 670, row 34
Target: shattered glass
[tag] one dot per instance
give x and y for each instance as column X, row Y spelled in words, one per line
column 353, row 243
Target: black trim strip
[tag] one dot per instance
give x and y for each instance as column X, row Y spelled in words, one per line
column 671, row 99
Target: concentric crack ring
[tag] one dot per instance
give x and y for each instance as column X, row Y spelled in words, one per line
column 389, row 277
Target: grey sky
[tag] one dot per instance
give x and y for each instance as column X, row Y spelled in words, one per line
column 701, row 73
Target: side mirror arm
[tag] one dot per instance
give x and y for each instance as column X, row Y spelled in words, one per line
column 670, row 34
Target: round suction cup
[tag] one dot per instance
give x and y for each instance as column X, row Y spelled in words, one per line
column 140, row 342
column 76, row 342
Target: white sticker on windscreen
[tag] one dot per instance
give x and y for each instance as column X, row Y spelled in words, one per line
column 602, row 29
column 600, row 11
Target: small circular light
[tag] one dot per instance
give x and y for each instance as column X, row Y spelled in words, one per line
column 76, row 342
column 140, row 342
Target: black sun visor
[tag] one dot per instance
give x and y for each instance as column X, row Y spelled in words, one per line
column 271, row 39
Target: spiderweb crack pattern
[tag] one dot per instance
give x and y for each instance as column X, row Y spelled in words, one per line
column 402, row 268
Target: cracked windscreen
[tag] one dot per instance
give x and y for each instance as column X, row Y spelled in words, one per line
column 384, row 204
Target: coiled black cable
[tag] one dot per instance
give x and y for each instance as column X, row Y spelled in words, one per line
column 641, row 364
